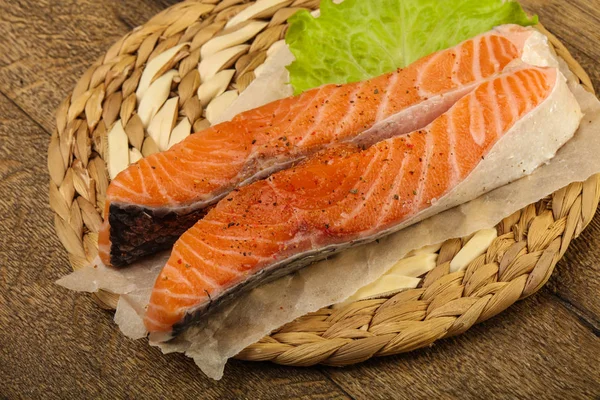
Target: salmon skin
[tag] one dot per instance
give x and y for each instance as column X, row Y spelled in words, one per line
column 348, row 195
column 151, row 203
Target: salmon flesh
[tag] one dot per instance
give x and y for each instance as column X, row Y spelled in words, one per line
column 152, row 202
column 351, row 194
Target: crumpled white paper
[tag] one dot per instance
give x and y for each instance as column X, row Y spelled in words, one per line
column 246, row 320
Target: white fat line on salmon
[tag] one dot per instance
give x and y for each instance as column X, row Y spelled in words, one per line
column 206, row 262
column 350, row 110
column 216, row 156
column 161, row 188
column 537, row 85
column 393, row 192
column 456, row 67
column 491, row 53
column 249, row 239
column 536, row 79
column 209, row 282
column 199, row 176
column 328, row 103
column 453, row 163
column 219, row 250
column 142, row 180
column 520, row 93
column 220, row 224
column 187, row 296
column 510, row 97
column 104, row 246
column 158, row 165
column 125, row 188
column 498, row 116
column 422, row 93
column 158, row 307
column 297, row 106
column 180, row 310
column 505, row 52
column 298, row 238
column 179, row 277
column 476, row 66
column 374, row 185
column 204, row 163
column 281, row 106
column 476, row 121
column 317, row 97
column 387, row 92
column 530, row 88
column 424, row 170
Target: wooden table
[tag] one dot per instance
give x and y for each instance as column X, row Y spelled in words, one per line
column 59, row 344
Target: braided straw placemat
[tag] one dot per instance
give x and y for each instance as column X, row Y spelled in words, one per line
column 221, row 46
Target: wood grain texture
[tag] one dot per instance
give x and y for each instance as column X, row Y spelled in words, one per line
column 58, row 344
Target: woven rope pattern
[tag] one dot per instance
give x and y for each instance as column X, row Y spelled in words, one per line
column 516, row 264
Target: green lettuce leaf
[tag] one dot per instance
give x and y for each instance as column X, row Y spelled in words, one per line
column 360, row 39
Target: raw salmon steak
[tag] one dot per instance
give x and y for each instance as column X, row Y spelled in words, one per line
column 151, row 203
column 348, row 194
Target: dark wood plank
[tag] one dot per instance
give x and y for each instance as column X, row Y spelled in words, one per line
column 576, row 279
column 576, row 25
column 47, row 45
column 535, row 350
column 574, row 22
column 58, row 344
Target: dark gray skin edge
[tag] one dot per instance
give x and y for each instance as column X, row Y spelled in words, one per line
column 266, row 275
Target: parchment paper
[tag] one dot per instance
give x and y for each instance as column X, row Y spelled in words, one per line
column 255, row 314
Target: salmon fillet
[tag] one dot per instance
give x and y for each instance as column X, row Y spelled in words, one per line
column 151, row 203
column 349, row 195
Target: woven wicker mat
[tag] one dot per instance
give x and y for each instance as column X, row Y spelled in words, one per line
column 516, row 264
